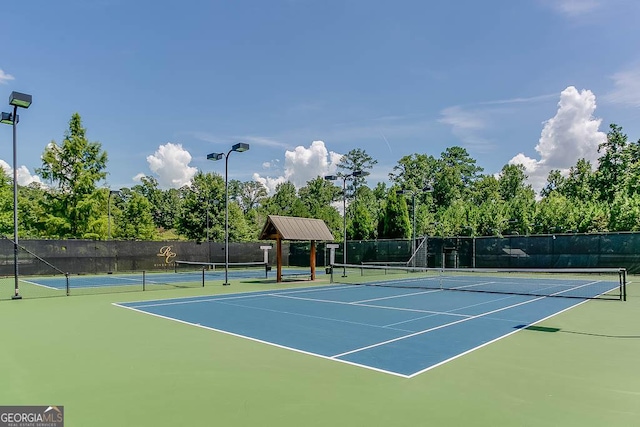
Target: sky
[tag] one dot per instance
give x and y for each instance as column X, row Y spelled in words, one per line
column 162, row 84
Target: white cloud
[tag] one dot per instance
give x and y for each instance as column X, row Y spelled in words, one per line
column 570, row 135
column 466, row 125
column 263, row 141
column 627, row 87
column 171, row 164
column 138, row 177
column 302, row 165
column 24, row 176
column 4, row 77
column 574, row 8
column 461, row 119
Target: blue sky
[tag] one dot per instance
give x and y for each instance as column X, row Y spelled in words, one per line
column 161, row 84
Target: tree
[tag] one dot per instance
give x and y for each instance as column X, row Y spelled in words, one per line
column 285, row 201
column 579, row 185
column 247, row 194
column 555, row 182
column 317, row 196
column 165, row 205
column 610, row 176
column 396, row 217
column 73, row 168
column 455, row 173
column 414, row 172
column 133, row 217
column 356, row 160
column 363, row 216
column 202, row 212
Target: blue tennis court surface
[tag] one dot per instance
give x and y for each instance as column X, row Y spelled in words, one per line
column 397, row 331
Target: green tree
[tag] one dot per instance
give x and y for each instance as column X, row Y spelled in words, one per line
column 363, row 215
column 555, row 182
column 73, row 168
column 456, row 172
column 414, row 172
column 611, row 173
column 396, row 217
column 317, row 197
column 247, row 194
column 285, row 201
column 202, row 212
column 133, row 217
column 579, row 185
column 356, row 160
column 165, row 204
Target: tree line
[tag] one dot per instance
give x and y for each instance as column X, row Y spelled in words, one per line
column 447, row 195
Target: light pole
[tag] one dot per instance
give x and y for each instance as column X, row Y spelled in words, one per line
column 21, row 100
column 426, row 189
column 239, row 147
column 345, row 177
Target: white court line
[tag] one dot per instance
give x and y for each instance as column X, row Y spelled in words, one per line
column 41, row 285
column 331, row 319
column 221, row 297
column 264, row 342
column 492, row 341
column 430, row 291
column 435, row 328
column 460, row 321
column 414, row 310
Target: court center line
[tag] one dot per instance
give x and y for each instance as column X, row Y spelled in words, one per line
column 435, row 328
column 430, row 291
column 370, row 305
column 311, row 316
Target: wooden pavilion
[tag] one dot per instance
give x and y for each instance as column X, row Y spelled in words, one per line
column 281, row 228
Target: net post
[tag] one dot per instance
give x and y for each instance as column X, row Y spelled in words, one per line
column 623, row 293
column 265, row 259
column 66, row 278
column 203, row 269
column 144, row 280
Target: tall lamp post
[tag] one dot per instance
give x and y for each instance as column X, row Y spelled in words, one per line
column 21, row 100
column 427, row 189
column 239, row 147
column 345, row 177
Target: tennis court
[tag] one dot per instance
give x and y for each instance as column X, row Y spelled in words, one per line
column 389, row 327
column 185, row 273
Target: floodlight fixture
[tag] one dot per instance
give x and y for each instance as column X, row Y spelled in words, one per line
column 240, row 147
column 7, row 118
column 21, row 100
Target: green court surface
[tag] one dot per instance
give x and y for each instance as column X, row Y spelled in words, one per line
column 109, row 366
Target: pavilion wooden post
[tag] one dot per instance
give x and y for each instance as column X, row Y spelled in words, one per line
column 312, row 261
column 279, row 260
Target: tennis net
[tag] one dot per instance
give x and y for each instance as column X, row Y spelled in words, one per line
column 216, row 269
column 589, row 283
